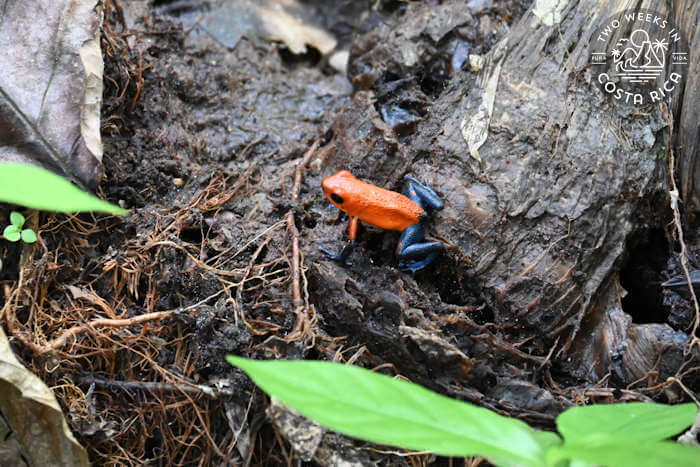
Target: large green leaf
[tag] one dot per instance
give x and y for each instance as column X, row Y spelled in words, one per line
column 383, row 410
column 546, row 439
column 633, row 421
column 619, row 453
column 40, row 189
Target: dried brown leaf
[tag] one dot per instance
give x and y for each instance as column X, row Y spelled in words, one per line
column 287, row 21
column 33, row 414
column 51, row 86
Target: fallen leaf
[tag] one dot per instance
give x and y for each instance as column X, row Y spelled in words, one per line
column 51, row 86
column 11, row 451
column 294, row 32
column 285, row 21
column 475, row 130
column 34, row 416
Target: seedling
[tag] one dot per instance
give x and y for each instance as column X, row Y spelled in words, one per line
column 14, row 232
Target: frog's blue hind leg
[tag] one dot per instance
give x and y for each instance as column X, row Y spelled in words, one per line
column 413, row 247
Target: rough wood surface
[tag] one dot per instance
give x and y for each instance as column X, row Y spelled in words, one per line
column 541, row 209
column 687, row 16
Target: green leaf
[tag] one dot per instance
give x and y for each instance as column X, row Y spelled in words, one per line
column 11, row 233
column 629, row 453
column 546, row 439
column 28, row 236
column 11, row 228
column 16, row 219
column 633, row 421
column 376, row 408
column 40, row 189
column 580, row 463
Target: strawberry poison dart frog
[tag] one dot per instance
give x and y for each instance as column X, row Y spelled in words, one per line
column 388, row 210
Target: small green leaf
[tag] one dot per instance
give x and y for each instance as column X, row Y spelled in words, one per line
column 11, row 233
column 376, row 408
column 16, row 219
column 28, row 236
column 11, row 228
column 40, row 189
column 633, row 421
column 629, row 453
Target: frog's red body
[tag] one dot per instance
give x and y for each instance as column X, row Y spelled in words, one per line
column 388, row 210
column 377, row 206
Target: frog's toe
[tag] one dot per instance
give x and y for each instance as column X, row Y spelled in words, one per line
column 408, row 268
column 337, row 257
column 416, row 266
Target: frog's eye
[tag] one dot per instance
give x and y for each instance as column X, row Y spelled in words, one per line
column 338, row 199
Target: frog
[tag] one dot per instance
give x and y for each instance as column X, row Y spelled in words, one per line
column 407, row 212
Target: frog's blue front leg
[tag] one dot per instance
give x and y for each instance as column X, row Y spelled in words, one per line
column 422, row 194
column 342, row 255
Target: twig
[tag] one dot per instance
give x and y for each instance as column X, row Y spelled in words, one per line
column 297, row 302
column 496, row 342
column 242, row 155
column 139, row 80
column 61, row 340
column 679, row 229
column 246, row 273
column 301, row 168
column 691, row 436
column 212, row 392
column 296, row 289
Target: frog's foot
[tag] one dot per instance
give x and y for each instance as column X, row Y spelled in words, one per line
column 424, row 253
column 416, row 266
column 340, row 257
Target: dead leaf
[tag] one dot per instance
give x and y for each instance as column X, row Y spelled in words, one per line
column 11, row 451
column 31, row 411
column 284, row 21
column 475, row 130
column 91, row 297
column 294, row 32
column 51, row 86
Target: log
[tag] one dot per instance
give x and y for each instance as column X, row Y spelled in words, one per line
column 547, row 181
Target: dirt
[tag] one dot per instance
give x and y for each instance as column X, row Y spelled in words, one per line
column 202, row 145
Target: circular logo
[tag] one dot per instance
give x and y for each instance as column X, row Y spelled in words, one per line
column 639, row 57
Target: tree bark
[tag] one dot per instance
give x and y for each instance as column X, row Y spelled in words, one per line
column 547, row 182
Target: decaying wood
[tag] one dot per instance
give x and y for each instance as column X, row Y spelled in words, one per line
column 687, row 16
column 567, row 176
column 546, row 180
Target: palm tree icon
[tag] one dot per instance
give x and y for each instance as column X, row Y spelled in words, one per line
column 659, row 46
column 654, row 55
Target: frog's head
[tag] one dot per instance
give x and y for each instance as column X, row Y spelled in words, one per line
column 339, row 188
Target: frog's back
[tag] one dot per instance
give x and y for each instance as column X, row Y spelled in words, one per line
column 387, row 209
column 371, row 204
